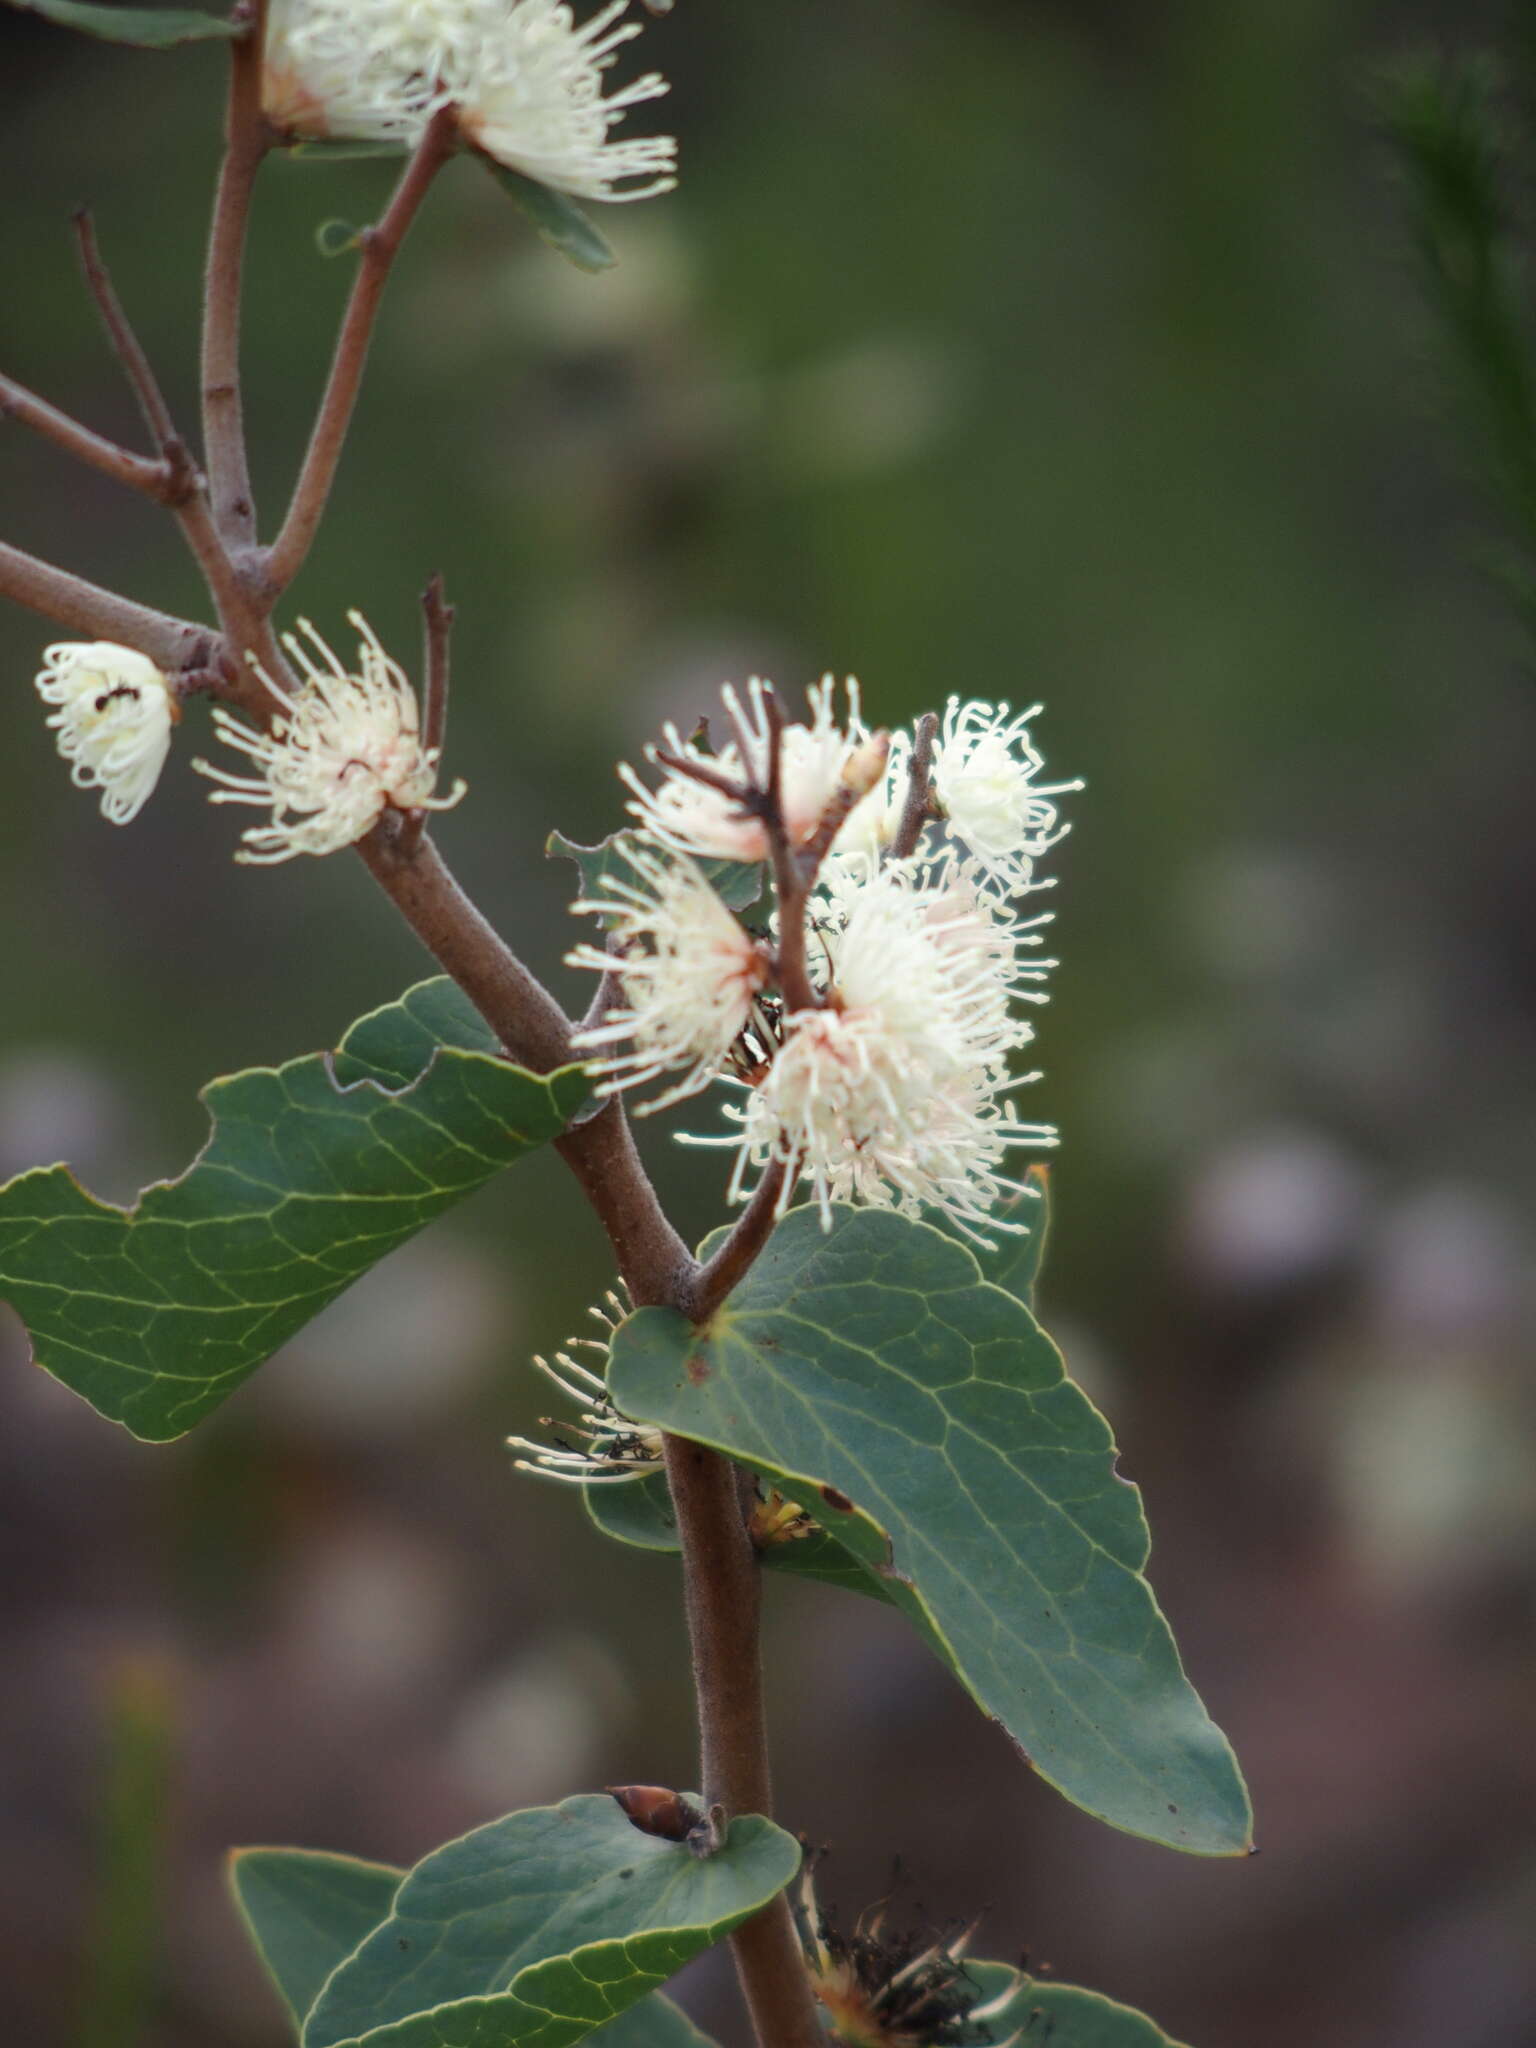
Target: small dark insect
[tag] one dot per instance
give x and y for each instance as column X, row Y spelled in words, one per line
column 111, row 696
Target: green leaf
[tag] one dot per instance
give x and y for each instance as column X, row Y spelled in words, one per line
column 536, row 1929
column 306, row 1911
column 738, row 883
column 654, row 2023
column 150, row 28
column 1043, row 2014
column 336, row 237
column 639, row 1512
column 556, row 219
column 923, row 1415
column 313, row 1171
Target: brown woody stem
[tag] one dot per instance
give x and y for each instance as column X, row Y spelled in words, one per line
column 736, row 1257
column 379, row 247
column 723, row 1592
column 246, row 143
column 139, row 472
column 170, row 643
column 437, row 621
column 126, row 345
column 918, row 808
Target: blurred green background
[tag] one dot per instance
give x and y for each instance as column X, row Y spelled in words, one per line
column 1025, row 350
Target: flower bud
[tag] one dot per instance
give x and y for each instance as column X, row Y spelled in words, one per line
column 865, row 766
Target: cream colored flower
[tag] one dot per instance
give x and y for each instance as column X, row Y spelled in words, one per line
column 984, row 769
column 690, row 975
column 526, row 81
column 894, row 1090
column 113, row 718
column 533, row 100
column 342, row 751
column 815, row 758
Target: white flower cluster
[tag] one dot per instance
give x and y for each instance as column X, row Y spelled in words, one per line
column 342, row 751
column 882, row 1072
column 113, row 714
column 526, row 82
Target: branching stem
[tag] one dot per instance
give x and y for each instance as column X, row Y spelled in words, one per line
column 139, row 472
column 171, row 643
column 186, row 491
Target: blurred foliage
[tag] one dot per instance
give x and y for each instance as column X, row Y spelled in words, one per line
column 1459, row 140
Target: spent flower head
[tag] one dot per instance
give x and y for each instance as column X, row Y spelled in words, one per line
column 346, row 747
column 608, row 1447
column 113, row 714
column 880, row 1987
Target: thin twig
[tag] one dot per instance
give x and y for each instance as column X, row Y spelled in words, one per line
column 437, row 621
column 773, row 718
column 139, row 472
column 790, row 886
column 379, row 247
column 246, row 141
column 186, row 492
column 918, row 808
column 750, row 1232
column 750, row 800
column 170, row 643
column 438, row 617
column 126, row 345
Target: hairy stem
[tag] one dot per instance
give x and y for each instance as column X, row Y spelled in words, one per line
column 736, row 1257
column 918, row 807
column 139, row 472
column 437, row 622
column 187, row 492
column 519, row 1009
column 171, row 644
column 379, row 247
column 722, row 1588
column 126, row 345
column 246, row 143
